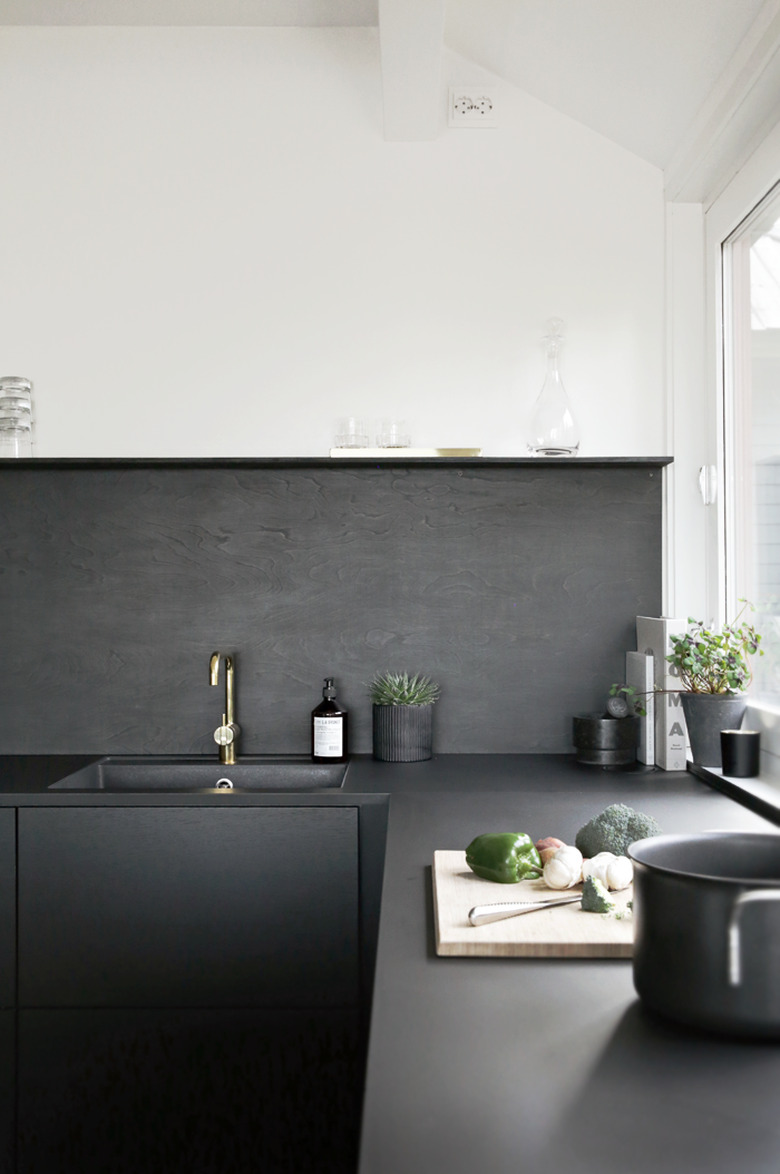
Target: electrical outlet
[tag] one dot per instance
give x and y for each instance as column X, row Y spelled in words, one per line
column 472, row 106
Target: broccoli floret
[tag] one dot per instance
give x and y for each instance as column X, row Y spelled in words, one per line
column 613, row 831
column 595, row 898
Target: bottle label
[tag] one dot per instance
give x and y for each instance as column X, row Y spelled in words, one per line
column 328, row 737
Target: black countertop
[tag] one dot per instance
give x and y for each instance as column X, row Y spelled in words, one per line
column 26, row 778
column 511, row 1065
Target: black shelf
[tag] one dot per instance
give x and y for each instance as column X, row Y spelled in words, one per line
column 330, row 462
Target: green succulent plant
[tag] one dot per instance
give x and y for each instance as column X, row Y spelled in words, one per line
column 716, row 662
column 401, row 689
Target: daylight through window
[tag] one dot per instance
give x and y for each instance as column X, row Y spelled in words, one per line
column 751, row 272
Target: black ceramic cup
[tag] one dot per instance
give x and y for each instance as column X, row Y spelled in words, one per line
column 739, row 751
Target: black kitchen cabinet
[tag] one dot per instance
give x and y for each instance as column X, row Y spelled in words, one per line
column 7, row 986
column 7, row 906
column 198, row 1091
column 188, row 907
column 7, row 1099
column 189, row 990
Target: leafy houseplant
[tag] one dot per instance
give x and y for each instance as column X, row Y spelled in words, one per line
column 403, row 716
column 714, row 669
column 715, row 662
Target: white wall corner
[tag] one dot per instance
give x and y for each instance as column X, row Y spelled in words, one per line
column 411, row 39
column 739, row 112
column 687, row 438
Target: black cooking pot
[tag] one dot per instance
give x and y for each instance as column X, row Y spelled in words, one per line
column 707, row 930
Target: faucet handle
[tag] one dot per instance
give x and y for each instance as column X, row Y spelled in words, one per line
column 225, row 734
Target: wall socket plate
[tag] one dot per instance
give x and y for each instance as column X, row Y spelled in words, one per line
column 472, row 106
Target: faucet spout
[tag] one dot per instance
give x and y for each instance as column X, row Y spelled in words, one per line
column 225, row 735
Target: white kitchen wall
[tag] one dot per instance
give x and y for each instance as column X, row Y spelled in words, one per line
column 209, row 249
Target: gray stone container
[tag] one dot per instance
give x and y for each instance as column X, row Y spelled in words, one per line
column 600, row 740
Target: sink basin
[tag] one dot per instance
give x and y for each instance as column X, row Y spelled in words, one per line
column 172, row 773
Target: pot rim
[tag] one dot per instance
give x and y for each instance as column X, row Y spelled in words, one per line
column 605, row 717
column 697, row 838
column 735, row 695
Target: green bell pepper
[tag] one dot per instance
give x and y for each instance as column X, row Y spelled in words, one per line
column 506, row 857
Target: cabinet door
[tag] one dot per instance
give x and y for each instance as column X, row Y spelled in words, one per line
column 187, row 906
column 7, row 1097
column 188, row 1092
column 7, row 906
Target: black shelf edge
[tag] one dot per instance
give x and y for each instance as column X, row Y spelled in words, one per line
column 328, row 462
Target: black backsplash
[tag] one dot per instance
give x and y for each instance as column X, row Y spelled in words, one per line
column 514, row 584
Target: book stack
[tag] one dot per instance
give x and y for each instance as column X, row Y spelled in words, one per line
column 666, row 728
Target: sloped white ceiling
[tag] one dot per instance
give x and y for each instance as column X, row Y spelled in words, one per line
column 635, row 71
column 658, row 77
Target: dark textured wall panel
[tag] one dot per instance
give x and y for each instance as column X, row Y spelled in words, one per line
column 515, row 586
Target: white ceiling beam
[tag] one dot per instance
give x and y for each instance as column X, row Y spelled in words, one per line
column 249, row 13
column 740, row 110
column 411, row 38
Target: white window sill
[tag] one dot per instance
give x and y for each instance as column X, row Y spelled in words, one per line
column 767, row 721
column 761, row 793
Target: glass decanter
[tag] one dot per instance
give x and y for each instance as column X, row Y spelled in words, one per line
column 554, row 431
column 16, row 421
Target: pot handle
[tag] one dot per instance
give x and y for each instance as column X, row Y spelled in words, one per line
column 734, row 949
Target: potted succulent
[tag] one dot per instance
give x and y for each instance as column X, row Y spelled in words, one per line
column 714, row 671
column 403, row 716
column 610, row 738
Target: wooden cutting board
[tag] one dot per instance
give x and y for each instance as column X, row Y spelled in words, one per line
column 563, row 932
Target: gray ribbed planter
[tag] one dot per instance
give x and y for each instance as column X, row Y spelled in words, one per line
column 706, row 714
column 403, row 733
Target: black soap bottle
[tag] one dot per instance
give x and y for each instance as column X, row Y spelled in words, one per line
column 328, row 728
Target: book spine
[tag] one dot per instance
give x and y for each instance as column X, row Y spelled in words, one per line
column 653, row 639
column 639, row 676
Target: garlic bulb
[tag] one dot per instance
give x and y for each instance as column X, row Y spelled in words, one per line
column 614, row 872
column 564, row 869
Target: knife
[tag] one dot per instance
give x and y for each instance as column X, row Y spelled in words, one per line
column 482, row 914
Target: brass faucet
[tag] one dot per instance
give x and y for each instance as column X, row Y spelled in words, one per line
column 225, row 735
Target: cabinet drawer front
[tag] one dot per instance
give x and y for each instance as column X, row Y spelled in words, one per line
column 193, row 1091
column 188, row 907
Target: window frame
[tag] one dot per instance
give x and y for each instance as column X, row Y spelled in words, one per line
column 733, row 209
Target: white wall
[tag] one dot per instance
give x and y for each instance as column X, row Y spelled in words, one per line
column 209, row 249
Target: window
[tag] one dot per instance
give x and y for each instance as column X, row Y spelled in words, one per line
column 751, row 430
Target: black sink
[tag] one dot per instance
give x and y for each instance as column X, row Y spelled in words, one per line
column 172, row 773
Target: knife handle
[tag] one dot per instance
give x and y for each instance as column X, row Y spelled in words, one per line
column 482, row 914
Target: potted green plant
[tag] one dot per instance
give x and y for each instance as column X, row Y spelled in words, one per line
column 403, row 716
column 714, row 671
column 610, row 738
